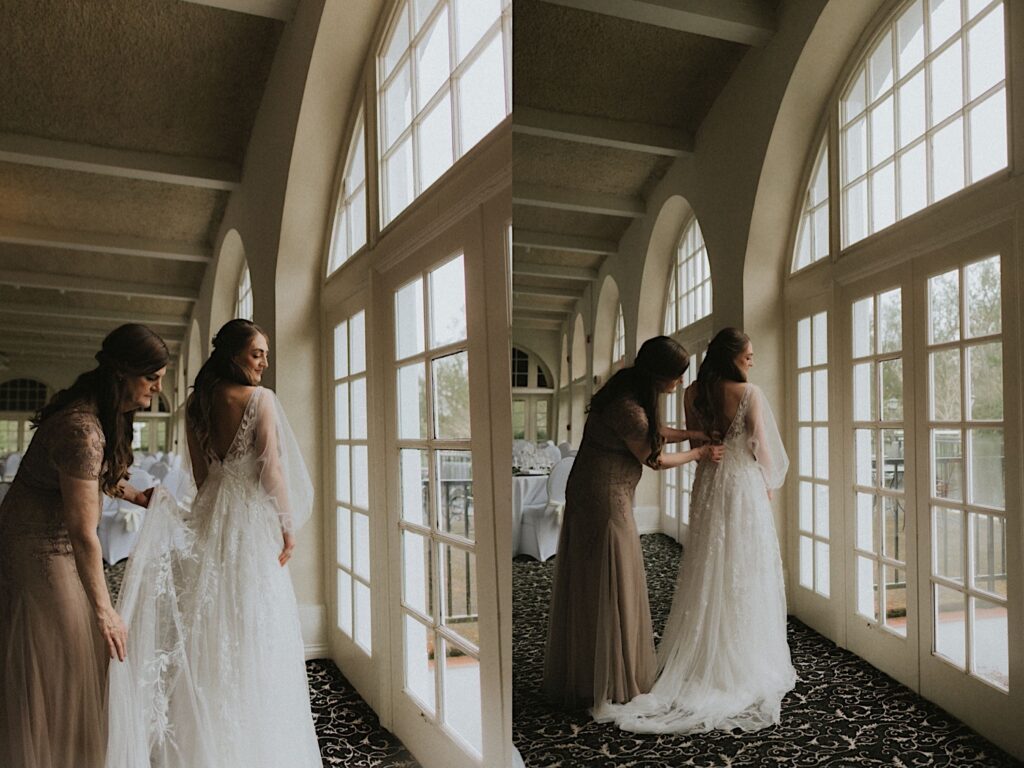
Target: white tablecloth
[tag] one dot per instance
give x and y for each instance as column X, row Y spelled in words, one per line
column 527, row 491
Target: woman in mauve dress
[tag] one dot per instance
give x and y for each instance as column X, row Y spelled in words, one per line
column 600, row 639
column 58, row 628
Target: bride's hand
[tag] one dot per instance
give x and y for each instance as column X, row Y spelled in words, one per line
column 286, row 551
column 714, row 452
column 114, row 632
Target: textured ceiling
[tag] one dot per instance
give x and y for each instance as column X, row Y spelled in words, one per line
column 152, row 81
column 589, row 76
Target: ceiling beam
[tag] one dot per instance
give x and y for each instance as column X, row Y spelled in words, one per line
column 739, row 21
column 11, row 331
column 602, row 132
column 547, row 293
column 122, row 245
column 582, row 274
column 283, row 10
column 99, row 315
column 580, row 202
column 126, row 164
column 535, row 324
column 540, row 312
column 77, row 284
column 555, row 242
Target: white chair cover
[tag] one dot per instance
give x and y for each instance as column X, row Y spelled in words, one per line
column 159, row 470
column 4, row 488
column 552, row 452
column 565, row 449
column 11, row 466
column 121, row 520
column 541, row 525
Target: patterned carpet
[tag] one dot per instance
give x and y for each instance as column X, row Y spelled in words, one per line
column 843, row 711
column 349, row 732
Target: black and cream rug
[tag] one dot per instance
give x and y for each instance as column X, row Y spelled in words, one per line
column 349, row 732
column 843, row 712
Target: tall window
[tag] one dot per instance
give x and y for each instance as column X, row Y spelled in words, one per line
column 689, row 292
column 925, row 114
column 619, row 342
column 967, row 466
column 812, row 429
column 350, row 219
column 243, row 300
column 19, row 400
column 880, row 542
column 437, row 520
column 352, row 481
column 444, row 83
column 678, row 482
column 812, row 236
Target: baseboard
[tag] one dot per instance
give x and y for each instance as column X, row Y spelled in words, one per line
column 313, row 621
column 648, row 519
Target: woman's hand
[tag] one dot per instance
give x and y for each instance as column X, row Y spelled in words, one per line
column 114, row 632
column 696, row 436
column 713, row 452
column 286, row 551
column 142, row 498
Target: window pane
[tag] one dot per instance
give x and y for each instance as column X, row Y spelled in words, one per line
column 856, row 198
column 866, row 522
column 415, row 484
column 991, row 649
column 892, row 455
column 894, row 535
column 361, row 545
column 947, row 160
column 342, row 476
column 984, row 310
column 806, row 509
column 890, row 321
column 864, row 327
column 455, row 493
column 821, row 452
column 344, row 536
column 866, row 441
column 896, row 599
column 913, row 181
column 397, row 106
column 985, row 376
column 448, row 303
column 821, row 395
column 450, row 386
column 821, row 509
column 357, row 336
column 398, row 43
column 865, row 393
column 910, row 38
column 986, row 470
column 988, row 136
column 363, row 623
column 422, row 10
column 399, row 179
column 989, row 571
column 416, row 589
column 948, row 464
column 944, row 387
column 948, row 543
column 412, row 402
column 806, row 562
column 357, row 221
column 883, row 197
column 856, row 154
column 892, row 389
column 820, row 325
column 409, row 319
column 803, row 343
column 459, row 592
column 880, row 68
column 360, row 477
column 854, row 102
column 482, row 95
column 341, row 412
column 867, row 588
column 986, row 60
column 462, row 710
column 944, row 306
column 345, row 603
column 806, row 457
column 804, row 401
column 359, row 409
column 912, row 114
column 944, row 20
column 820, row 250
column 882, row 131
column 821, row 568
column 341, row 350
column 435, row 143
column 472, row 19
column 950, row 625
column 432, row 65
column 419, row 663
column 946, row 84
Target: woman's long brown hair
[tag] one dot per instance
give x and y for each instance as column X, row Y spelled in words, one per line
column 719, row 366
column 233, row 338
column 129, row 350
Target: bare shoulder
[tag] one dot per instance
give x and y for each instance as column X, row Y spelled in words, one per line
column 234, row 395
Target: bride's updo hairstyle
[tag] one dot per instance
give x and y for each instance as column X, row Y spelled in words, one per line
column 233, row 338
column 719, row 366
column 659, row 361
column 129, row 350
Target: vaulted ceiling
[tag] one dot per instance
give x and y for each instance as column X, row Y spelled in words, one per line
column 123, row 130
column 607, row 94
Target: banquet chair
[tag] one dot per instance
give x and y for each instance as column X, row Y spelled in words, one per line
column 541, row 525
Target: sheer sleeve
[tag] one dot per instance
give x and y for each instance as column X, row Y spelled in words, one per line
column 77, row 446
column 628, row 421
column 764, row 440
column 283, row 473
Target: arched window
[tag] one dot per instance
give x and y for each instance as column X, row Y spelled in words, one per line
column 689, row 292
column 19, row 400
column 531, row 397
column 924, row 114
column 619, row 343
column 443, row 84
column 243, row 304
column 812, row 235
column 350, row 218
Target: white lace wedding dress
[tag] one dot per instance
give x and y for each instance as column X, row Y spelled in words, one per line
column 215, row 675
column 723, row 660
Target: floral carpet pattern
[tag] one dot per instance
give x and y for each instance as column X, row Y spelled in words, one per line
column 843, row 712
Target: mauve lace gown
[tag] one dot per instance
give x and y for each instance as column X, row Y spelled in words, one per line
column 600, row 641
column 53, row 660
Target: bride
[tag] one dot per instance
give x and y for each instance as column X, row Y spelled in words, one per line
column 215, row 674
column 723, row 661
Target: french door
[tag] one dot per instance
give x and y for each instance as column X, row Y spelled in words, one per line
column 931, row 506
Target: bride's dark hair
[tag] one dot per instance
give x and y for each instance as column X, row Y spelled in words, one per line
column 659, row 360
column 719, row 366
column 128, row 350
column 233, row 337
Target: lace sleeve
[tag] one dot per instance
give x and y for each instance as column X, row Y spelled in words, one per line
column 764, row 440
column 283, row 474
column 628, row 421
column 77, row 446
